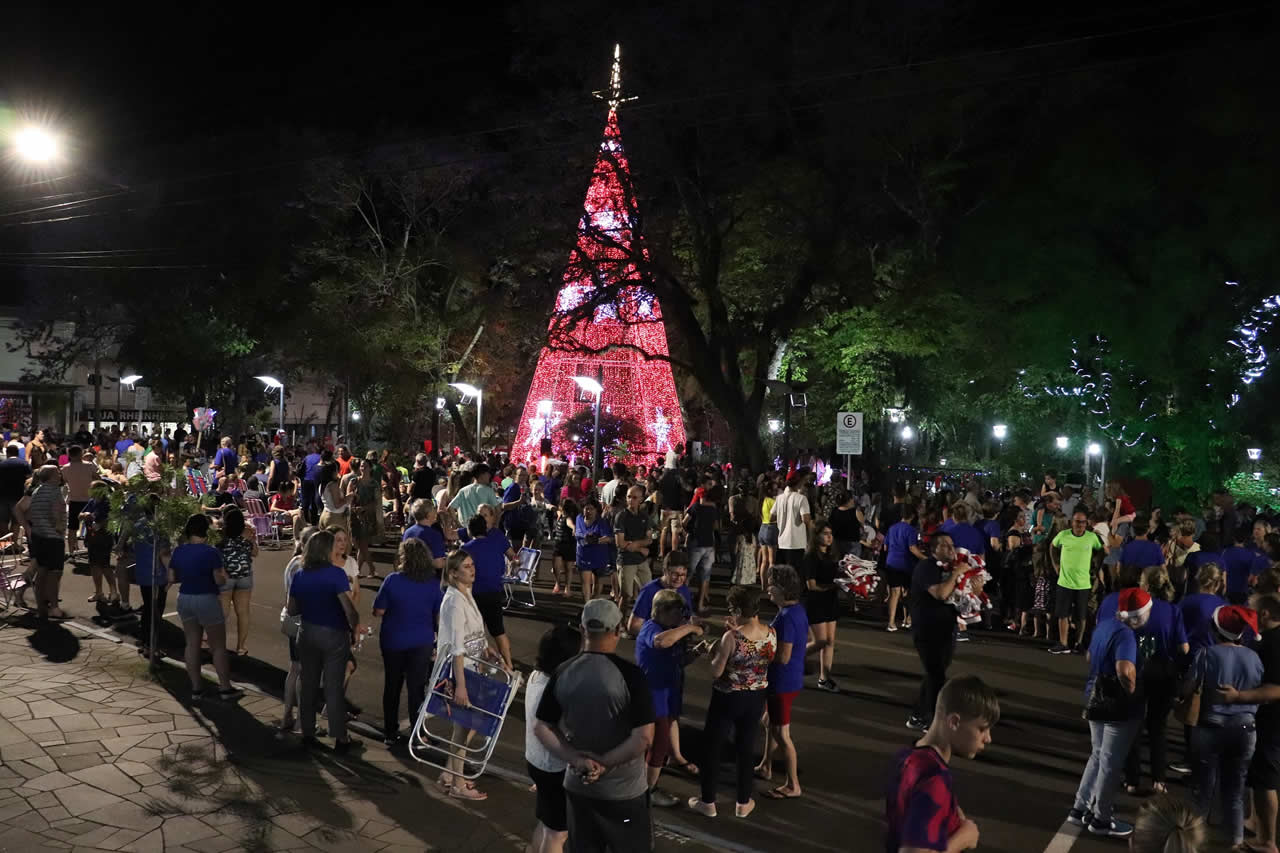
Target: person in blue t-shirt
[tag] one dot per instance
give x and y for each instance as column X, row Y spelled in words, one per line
column 490, row 551
column 1140, row 552
column 408, row 603
column 786, row 678
column 425, row 515
column 197, row 567
column 675, row 570
column 594, row 536
column 660, row 653
column 1242, row 566
column 320, row 593
column 1197, row 608
column 902, row 552
column 963, row 534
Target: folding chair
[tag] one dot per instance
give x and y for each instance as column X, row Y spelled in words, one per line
column 490, row 692
column 261, row 521
column 522, row 574
column 12, row 583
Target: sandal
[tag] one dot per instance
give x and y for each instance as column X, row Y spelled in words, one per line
column 782, row 792
column 685, row 767
column 445, row 783
column 58, row 615
column 467, row 791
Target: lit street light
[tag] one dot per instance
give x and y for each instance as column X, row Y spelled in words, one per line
column 593, row 386
column 272, row 384
column 1063, row 442
column 1095, row 449
column 1255, row 453
column 774, row 424
column 472, row 391
column 36, row 145
column 907, row 433
column 130, row 380
column 1000, row 431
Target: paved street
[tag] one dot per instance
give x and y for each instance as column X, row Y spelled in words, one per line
column 1018, row 790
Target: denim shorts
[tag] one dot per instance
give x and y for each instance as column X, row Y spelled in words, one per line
column 232, row 584
column 700, row 560
column 202, row 609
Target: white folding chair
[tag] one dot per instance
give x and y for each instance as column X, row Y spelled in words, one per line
column 522, row 574
column 12, row 583
column 490, row 691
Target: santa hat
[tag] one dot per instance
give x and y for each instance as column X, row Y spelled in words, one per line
column 1233, row 621
column 1134, row 602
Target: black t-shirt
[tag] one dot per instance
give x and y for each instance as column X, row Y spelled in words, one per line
column 634, row 526
column 1269, row 650
column 701, row 525
column 844, row 525
column 925, row 609
column 671, row 490
column 423, row 480
column 892, row 515
column 13, row 479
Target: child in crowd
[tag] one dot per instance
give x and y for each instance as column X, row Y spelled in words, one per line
column 921, row 810
column 566, row 546
column 1042, row 582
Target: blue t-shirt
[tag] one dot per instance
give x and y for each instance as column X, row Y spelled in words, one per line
column 413, row 609
column 311, row 467
column 194, row 564
column 661, row 667
column 1240, row 564
column 316, row 590
column 991, row 529
column 1113, row 641
column 147, row 570
column 968, row 537
column 1197, row 618
column 644, row 598
column 488, row 552
column 226, row 459
column 550, row 490
column 898, row 541
column 792, row 625
column 1200, row 558
column 1164, row 634
column 430, row 537
column 123, row 445
column 592, row 558
column 1141, row 553
column 1225, row 663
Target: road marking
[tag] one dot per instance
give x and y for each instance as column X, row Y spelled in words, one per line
column 1064, row 839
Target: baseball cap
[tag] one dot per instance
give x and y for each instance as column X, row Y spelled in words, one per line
column 600, row 615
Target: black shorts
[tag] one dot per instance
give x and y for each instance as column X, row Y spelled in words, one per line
column 99, row 544
column 50, row 554
column 793, row 557
column 1264, row 769
column 552, row 811
column 619, row 826
column 567, row 550
column 490, row 606
column 821, row 607
column 900, row 578
column 1064, row 598
column 74, row 508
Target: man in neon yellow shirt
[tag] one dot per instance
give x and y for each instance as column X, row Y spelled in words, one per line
column 1075, row 554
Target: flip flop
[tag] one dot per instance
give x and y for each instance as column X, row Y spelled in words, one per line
column 467, row 792
column 776, row 794
column 687, row 767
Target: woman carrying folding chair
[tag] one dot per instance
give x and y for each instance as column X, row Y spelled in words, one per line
column 462, row 635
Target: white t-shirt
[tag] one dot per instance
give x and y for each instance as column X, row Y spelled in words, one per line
column 534, row 752
column 788, row 513
column 352, row 568
column 1104, row 533
column 461, row 625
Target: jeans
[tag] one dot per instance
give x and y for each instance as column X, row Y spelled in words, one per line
column 411, row 666
column 310, row 502
column 741, row 710
column 152, row 612
column 1220, row 757
column 1101, row 778
column 700, row 560
column 935, row 645
column 323, row 650
column 1159, row 703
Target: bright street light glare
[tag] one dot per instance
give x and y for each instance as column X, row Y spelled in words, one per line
column 130, row 379
column 469, row 390
column 774, row 424
column 35, row 144
column 943, row 462
column 907, row 433
column 1000, row 431
column 1095, row 449
column 591, row 386
column 1255, row 453
column 1063, row 442
column 355, row 416
column 270, row 381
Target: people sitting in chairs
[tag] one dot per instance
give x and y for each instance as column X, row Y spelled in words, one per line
column 284, row 505
column 490, row 551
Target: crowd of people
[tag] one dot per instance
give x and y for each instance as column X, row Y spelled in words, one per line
column 1167, row 610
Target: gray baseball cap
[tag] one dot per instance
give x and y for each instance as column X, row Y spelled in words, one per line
column 600, row 615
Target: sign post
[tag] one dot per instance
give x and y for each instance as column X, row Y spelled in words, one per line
column 848, row 440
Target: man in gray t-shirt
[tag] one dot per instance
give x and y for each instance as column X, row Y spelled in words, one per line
column 596, row 714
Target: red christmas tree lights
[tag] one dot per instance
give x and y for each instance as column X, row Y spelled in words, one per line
column 607, row 326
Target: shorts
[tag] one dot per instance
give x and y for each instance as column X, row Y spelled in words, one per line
column 1064, row 598
column 1264, row 769
column 599, row 571
column 700, row 560
column 567, row 550
column 48, row 553
column 6, row 512
column 661, row 746
column 793, row 557
column 74, row 508
column 668, row 701
column 768, row 535
column 490, row 606
column 900, row 578
column 336, row 519
column 99, row 544
column 551, row 810
column 779, row 705
column 233, row 584
column 821, row 606
column 203, row 609
column 619, row 826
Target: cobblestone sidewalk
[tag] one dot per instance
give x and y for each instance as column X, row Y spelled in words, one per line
column 98, row 753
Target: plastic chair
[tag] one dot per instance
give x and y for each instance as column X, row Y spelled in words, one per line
column 12, row 583
column 490, row 691
column 261, row 521
column 525, row 570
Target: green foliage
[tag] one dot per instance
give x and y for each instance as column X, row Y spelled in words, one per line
column 1246, row 489
column 165, row 509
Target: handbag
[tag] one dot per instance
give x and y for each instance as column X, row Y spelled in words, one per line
column 1108, row 702
column 290, row 626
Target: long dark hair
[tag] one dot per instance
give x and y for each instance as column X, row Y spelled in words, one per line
column 232, row 524
column 557, row 645
column 319, row 552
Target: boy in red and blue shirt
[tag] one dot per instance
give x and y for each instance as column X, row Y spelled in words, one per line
column 920, row 808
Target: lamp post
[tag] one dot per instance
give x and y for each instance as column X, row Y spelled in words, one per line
column 1000, row 431
column 1063, row 442
column 130, row 380
column 1095, row 449
column 272, row 384
column 593, row 386
column 472, row 391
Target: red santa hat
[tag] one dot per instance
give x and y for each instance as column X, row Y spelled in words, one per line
column 1134, row 602
column 1233, row 621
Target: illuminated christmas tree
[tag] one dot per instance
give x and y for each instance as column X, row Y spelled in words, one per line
column 606, row 325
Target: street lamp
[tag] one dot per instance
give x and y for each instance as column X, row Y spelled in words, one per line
column 472, row 391
column 1095, row 449
column 1255, row 453
column 943, row 462
column 774, row 424
column 1000, row 431
column 1063, row 442
column 36, row 145
column 593, row 386
column 272, row 384
column 907, row 433
column 130, row 380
